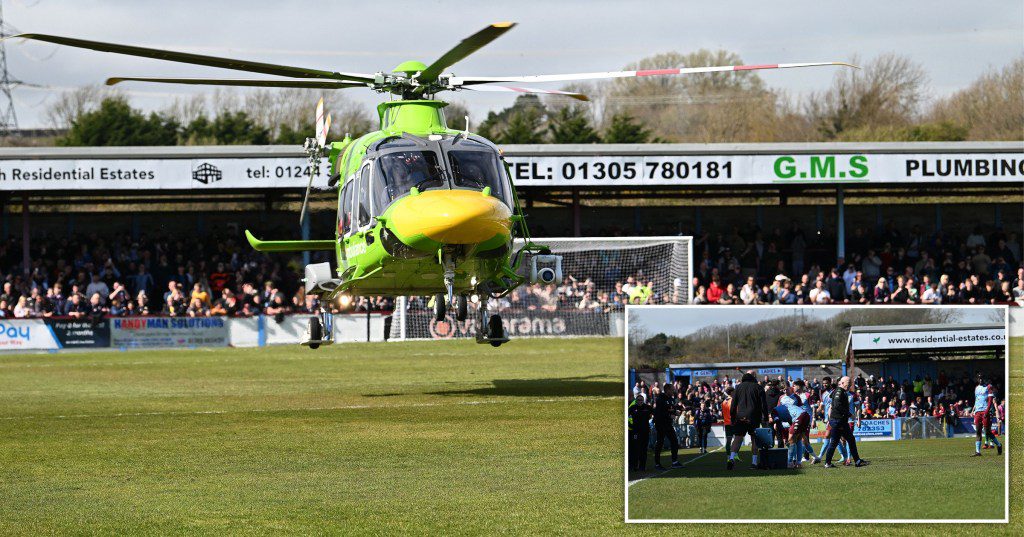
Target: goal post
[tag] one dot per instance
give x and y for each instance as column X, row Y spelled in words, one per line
column 600, row 276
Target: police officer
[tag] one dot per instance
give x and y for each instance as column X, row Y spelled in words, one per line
column 639, row 432
column 665, row 412
column 839, row 424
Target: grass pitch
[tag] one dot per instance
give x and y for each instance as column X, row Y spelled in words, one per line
column 420, row 437
column 900, row 483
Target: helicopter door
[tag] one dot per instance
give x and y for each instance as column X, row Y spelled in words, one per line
column 345, row 208
column 363, row 208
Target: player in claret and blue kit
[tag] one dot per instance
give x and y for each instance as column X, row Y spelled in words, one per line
column 791, row 406
column 800, row 387
column 984, row 408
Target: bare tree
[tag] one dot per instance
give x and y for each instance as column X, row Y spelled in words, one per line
column 224, row 100
column 992, row 108
column 186, row 110
column 638, row 333
column 455, row 115
column 349, row 117
column 73, row 103
column 294, row 108
column 711, row 107
column 887, row 93
column 996, row 315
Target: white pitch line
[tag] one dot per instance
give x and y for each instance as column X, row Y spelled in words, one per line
column 666, row 470
column 313, row 409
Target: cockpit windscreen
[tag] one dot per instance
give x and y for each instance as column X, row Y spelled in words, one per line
column 477, row 170
column 404, row 170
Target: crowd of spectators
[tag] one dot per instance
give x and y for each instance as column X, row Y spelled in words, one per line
column 944, row 397
column 893, row 266
column 91, row 276
column 585, row 295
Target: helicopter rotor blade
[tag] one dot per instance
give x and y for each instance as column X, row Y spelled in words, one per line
column 325, row 84
column 465, row 47
column 318, row 121
column 570, row 94
column 472, row 80
column 321, row 137
column 198, row 59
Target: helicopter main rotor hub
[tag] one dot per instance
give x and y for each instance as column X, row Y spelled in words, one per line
column 409, row 86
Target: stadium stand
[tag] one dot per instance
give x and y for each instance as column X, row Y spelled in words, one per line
column 115, row 275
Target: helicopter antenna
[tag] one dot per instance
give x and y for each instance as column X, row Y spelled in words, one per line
column 467, row 126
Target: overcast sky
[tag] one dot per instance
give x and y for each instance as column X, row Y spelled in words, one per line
column 955, row 41
column 683, row 321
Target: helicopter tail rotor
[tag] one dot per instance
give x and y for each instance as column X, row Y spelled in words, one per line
column 315, row 150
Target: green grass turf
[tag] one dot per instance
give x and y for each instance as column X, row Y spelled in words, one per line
column 900, row 483
column 364, row 438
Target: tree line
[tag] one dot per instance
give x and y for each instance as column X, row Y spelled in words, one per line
column 888, row 100
column 93, row 116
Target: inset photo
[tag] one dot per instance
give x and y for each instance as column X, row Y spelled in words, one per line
column 816, row 414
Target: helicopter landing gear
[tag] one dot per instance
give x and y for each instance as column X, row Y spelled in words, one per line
column 440, row 307
column 490, row 329
column 319, row 330
column 449, row 278
column 462, row 308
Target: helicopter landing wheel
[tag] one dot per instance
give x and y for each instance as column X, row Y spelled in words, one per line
column 496, row 331
column 316, row 332
column 440, row 307
column 462, row 308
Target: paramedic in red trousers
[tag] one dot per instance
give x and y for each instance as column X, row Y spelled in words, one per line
column 839, row 424
column 749, row 410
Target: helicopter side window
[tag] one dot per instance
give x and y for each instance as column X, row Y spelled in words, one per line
column 364, row 212
column 404, row 170
column 476, row 170
column 345, row 214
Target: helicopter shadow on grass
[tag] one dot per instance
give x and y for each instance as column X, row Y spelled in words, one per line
column 548, row 387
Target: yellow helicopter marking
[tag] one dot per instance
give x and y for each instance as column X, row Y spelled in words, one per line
column 452, row 216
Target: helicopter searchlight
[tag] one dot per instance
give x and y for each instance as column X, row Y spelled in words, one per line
column 546, row 269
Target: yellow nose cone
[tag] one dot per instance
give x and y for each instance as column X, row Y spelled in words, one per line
column 452, row 216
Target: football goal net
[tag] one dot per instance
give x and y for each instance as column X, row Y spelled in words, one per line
column 599, row 277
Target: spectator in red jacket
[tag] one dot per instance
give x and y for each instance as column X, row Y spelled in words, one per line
column 714, row 290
